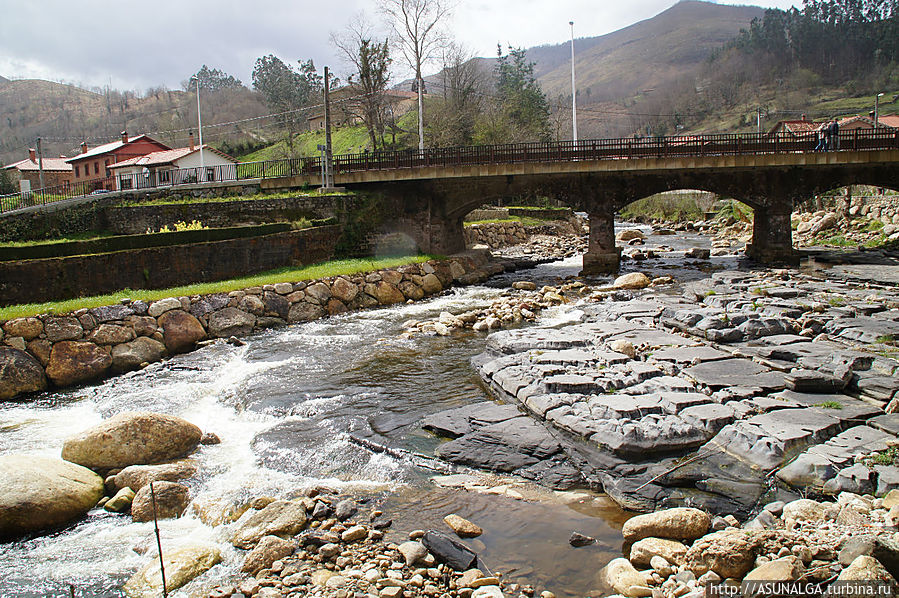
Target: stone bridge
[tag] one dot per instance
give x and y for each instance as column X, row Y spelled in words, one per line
column 430, row 193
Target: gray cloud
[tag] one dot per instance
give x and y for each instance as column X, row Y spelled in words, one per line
column 140, row 45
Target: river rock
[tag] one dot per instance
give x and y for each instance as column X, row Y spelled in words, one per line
column 629, row 234
column 729, row 553
column 622, row 577
column 181, row 565
column 318, row 292
column 827, row 221
column 180, row 330
column 19, row 373
column 633, row 280
column 72, row 362
column 463, row 527
column 343, row 289
column 412, row 551
column 171, row 501
column 157, row 308
column 446, row 550
column 27, row 328
column 64, row 328
column 130, row 356
column 384, row 292
column 305, row 312
column 231, row 322
column 279, row 518
column 39, row 493
column 866, row 568
column 269, row 550
column 643, row 550
column 138, row 476
column 431, row 284
column 788, row 568
column 803, row 509
column 120, row 502
column 111, row 334
column 132, row 438
column 681, row 523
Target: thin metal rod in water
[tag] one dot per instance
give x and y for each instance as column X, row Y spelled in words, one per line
column 158, row 541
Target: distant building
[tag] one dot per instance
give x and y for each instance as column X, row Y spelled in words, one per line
column 345, row 107
column 173, row 167
column 94, row 164
column 797, row 129
column 56, row 171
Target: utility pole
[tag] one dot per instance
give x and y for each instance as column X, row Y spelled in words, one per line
column 329, row 174
column 40, row 162
column 876, row 109
column 573, row 90
column 758, row 120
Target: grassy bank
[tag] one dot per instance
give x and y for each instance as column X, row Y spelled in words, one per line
column 671, row 207
column 312, row 272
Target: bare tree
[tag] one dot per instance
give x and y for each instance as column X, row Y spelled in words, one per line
column 370, row 61
column 464, row 85
column 416, row 25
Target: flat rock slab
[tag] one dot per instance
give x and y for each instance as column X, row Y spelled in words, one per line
column 506, row 446
column 690, row 355
column 734, row 372
column 518, row 341
column 454, row 423
column 651, row 337
column 840, row 406
column 651, row 434
column 766, row 441
column 888, row 422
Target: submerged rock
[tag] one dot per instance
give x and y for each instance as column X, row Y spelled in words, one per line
column 40, row 493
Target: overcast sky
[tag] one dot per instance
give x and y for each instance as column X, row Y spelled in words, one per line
column 136, row 45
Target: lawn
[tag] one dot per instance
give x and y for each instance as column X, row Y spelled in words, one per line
column 293, row 274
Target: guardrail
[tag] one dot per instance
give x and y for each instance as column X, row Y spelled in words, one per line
column 562, row 151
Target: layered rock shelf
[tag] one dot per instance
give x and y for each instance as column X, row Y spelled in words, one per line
column 746, row 386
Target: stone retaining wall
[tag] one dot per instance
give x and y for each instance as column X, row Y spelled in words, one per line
column 877, row 207
column 495, row 234
column 139, row 219
column 56, row 351
column 31, row 281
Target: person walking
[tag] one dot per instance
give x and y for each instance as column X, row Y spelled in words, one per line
column 822, row 138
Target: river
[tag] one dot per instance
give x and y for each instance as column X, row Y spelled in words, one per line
column 283, row 405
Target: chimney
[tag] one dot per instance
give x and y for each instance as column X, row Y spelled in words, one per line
column 124, row 136
column 32, row 155
column 871, row 115
column 191, row 141
column 84, row 147
column 804, row 117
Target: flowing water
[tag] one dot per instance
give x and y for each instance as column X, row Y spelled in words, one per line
column 284, row 405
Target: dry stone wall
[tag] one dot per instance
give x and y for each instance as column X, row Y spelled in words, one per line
column 495, row 234
column 56, row 351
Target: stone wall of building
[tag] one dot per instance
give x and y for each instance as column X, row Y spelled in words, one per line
column 56, row 351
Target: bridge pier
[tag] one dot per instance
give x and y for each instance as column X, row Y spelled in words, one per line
column 602, row 256
column 772, row 235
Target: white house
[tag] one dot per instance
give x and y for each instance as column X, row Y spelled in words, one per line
column 174, row 167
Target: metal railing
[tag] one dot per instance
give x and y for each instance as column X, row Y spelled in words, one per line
column 562, row 151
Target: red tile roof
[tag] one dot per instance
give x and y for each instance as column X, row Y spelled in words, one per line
column 111, row 147
column 890, row 120
column 50, row 164
column 164, row 157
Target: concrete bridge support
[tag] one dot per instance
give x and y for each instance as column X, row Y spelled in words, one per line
column 602, row 256
column 772, row 235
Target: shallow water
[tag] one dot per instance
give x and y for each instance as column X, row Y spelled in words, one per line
column 284, row 405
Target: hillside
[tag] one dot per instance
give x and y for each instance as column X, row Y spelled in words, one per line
column 64, row 115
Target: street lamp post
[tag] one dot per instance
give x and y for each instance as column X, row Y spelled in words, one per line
column 199, row 123
column 877, row 108
column 573, row 90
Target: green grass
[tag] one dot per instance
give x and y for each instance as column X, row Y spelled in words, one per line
column 859, row 105
column 829, row 405
column 668, row 207
column 88, row 236
column 887, row 457
column 200, row 200
column 312, row 272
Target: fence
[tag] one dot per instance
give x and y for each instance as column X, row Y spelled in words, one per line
column 563, row 151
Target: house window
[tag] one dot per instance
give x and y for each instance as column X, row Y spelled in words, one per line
column 96, row 168
column 77, row 172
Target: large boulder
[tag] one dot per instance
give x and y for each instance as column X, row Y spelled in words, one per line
column 731, row 552
column 867, row 568
column 181, row 565
column 280, row 518
column 681, row 523
column 39, row 493
column 19, row 373
column 132, row 438
column 130, row 356
column 27, row 328
column 305, row 312
column 643, row 550
column 231, row 322
column 385, row 293
column 171, row 501
column 344, row 289
column 138, row 476
column 180, row 330
column 72, row 362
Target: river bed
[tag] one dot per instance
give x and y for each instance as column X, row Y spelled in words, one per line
column 283, row 405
